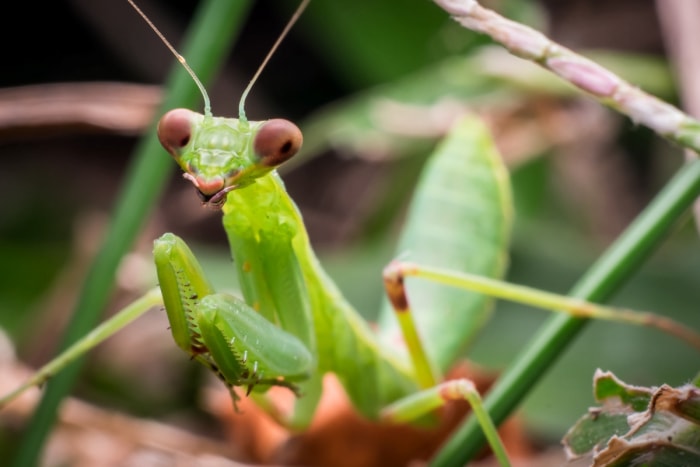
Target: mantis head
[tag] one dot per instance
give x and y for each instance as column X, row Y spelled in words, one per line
column 222, row 154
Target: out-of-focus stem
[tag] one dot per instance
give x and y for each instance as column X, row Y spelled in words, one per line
column 605, row 86
column 678, row 18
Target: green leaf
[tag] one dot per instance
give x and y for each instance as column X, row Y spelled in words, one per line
column 594, row 430
column 460, row 218
column 607, row 386
column 627, row 431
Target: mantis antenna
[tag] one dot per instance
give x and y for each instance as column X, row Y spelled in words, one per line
column 180, row 58
column 300, row 9
column 207, row 105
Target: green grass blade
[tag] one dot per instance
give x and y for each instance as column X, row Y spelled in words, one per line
column 618, row 264
column 211, row 33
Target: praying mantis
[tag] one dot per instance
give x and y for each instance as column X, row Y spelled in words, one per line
column 293, row 324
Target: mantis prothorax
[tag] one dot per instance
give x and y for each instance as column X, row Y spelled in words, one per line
column 293, row 324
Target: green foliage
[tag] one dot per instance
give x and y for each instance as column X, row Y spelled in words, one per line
column 638, row 425
column 460, row 218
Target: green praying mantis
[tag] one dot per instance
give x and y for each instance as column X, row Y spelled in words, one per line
column 292, row 324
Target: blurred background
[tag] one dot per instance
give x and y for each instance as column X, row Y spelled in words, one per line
column 373, row 85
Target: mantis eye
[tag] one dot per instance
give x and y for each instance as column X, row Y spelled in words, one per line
column 277, row 140
column 175, row 130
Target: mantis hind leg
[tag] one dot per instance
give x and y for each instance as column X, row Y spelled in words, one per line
column 416, row 405
column 435, row 394
column 396, row 272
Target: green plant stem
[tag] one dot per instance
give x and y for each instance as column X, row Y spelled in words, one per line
column 611, row 270
column 208, row 42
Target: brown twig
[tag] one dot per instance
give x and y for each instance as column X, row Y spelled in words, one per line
column 57, row 107
column 602, row 84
